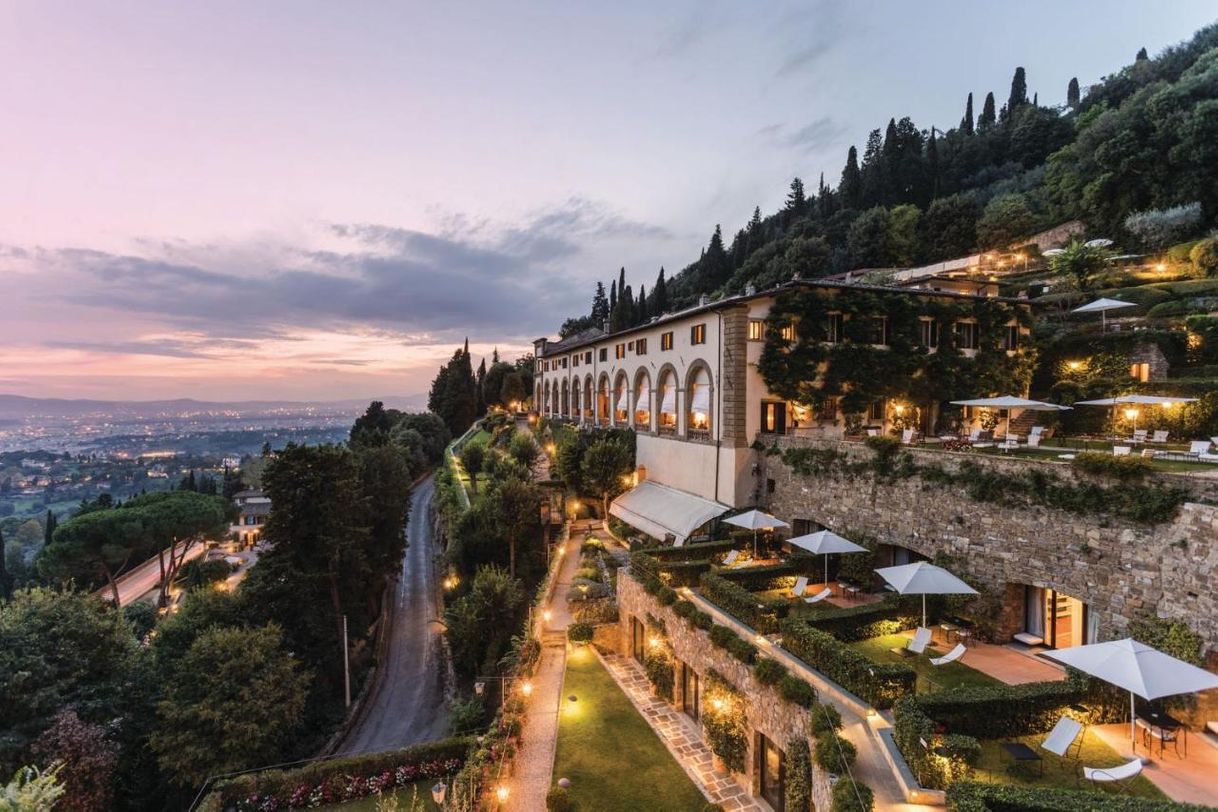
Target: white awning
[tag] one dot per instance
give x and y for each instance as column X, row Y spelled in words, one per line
column 668, row 401
column 623, row 400
column 642, row 401
column 701, row 400
column 660, row 511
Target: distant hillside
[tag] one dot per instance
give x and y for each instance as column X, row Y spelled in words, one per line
column 17, row 406
column 1144, row 138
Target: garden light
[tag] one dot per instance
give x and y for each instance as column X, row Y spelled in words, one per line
column 546, row 615
column 502, row 793
column 717, row 704
column 527, row 689
column 654, row 642
column 1131, row 414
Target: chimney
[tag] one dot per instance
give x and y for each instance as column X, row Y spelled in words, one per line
column 750, row 289
column 605, row 325
column 703, row 300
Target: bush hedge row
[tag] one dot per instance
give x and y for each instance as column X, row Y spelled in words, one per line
column 768, row 576
column 972, row 796
column 850, row 624
column 752, row 610
column 878, row 683
column 734, row 644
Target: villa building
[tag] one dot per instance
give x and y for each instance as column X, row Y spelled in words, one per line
column 253, row 506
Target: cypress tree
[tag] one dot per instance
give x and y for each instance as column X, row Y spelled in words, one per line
column 851, row 183
column 659, row 295
column 1072, row 94
column 1142, row 56
column 795, row 197
column 6, row 581
column 932, row 164
column 480, row 388
column 49, row 526
column 966, row 123
column 494, row 352
column 600, row 305
column 640, row 310
column 612, row 300
column 1019, row 91
column 621, row 283
column 987, row 119
column 755, row 222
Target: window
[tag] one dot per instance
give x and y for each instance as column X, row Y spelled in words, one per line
column 666, row 341
column 619, row 350
column 564, row 363
column 878, row 334
column 640, row 346
column 756, row 329
column 827, row 410
column 1140, row 372
column 588, row 357
column 1010, row 341
column 803, row 527
column 575, row 361
column 788, row 333
column 876, row 412
column 966, row 335
column 773, row 417
column 697, row 334
column 928, row 330
column 834, row 328
column 604, row 354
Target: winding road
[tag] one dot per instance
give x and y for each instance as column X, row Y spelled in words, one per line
column 407, row 704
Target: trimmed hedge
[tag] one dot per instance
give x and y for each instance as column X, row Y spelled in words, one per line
column 701, row 551
column 855, row 623
column 878, row 683
column 972, row 796
column 798, row 785
column 734, row 644
column 797, row 691
column 752, row 610
column 835, row 754
column 851, row 796
column 912, row 727
column 1008, row 711
column 344, row 777
column 769, row 672
column 769, row 576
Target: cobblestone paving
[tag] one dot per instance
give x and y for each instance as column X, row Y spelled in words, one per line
column 680, row 734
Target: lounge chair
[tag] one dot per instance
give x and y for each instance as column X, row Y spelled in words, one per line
column 907, row 437
column 1148, row 453
column 1120, row 451
column 1120, row 775
column 801, row 586
column 1010, row 442
column 873, row 432
column 1160, row 436
column 1200, row 450
column 730, row 558
column 1035, row 431
column 951, row 656
column 978, row 439
column 819, row 596
column 1034, row 440
column 1062, row 737
column 920, row 641
column 1139, row 436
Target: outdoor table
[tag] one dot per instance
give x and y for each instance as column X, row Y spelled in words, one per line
column 853, row 592
column 1022, row 754
column 842, row 588
column 1166, row 725
column 964, row 635
column 948, row 628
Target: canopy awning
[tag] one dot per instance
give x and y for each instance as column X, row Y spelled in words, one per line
column 660, row 511
column 623, row 399
column 642, row 399
column 1008, row 402
column 668, row 399
column 700, row 403
column 1146, row 400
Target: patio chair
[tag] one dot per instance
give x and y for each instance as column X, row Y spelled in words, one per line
column 1035, row 431
column 819, row 596
column 1010, row 442
column 1160, row 436
column 1120, row 776
column 1034, row 440
column 1148, row 453
column 1139, row 436
column 801, row 586
column 920, row 641
column 1063, row 736
column 873, row 432
column 1121, row 451
column 907, row 437
column 951, row 656
column 730, row 558
column 1198, row 447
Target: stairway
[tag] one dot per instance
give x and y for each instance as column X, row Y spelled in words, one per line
column 1023, row 424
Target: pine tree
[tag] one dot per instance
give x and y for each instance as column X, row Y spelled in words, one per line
column 987, row 119
column 659, row 295
column 874, row 171
column 966, row 123
column 49, row 527
column 795, row 197
column 640, row 310
column 1142, row 56
column 480, row 385
column 755, row 222
column 1072, row 94
column 715, row 266
column 850, row 185
column 600, row 305
column 1019, row 91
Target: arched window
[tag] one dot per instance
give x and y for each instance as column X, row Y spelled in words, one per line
column 698, row 418
column 668, row 403
column 588, row 398
column 621, row 401
column 576, row 398
column 566, row 400
column 545, row 399
column 602, row 399
column 642, row 401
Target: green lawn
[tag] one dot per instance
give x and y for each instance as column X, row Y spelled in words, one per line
column 613, row 758
column 1075, row 446
column 930, row 677
column 413, row 798
column 997, row 767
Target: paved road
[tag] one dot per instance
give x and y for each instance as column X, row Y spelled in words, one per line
column 407, row 705
column 143, row 579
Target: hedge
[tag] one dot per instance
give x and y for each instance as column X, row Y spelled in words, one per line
column 738, row 647
column 798, row 785
column 339, row 779
column 854, row 623
column 956, row 754
column 878, row 683
column 835, row 754
column 851, row 796
column 761, row 614
column 702, row 551
column 797, row 691
column 769, row 672
column 769, row 576
column 972, row 796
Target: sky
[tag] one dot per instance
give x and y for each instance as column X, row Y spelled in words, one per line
column 320, row 201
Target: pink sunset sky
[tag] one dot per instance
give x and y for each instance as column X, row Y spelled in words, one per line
column 232, row 200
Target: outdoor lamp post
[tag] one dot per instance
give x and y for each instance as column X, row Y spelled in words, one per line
column 1132, row 415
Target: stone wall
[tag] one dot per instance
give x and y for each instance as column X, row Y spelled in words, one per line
column 766, row 711
column 1121, row 569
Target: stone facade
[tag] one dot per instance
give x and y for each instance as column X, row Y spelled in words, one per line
column 1120, row 569
column 1153, row 357
column 766, row 712
column 732, row 376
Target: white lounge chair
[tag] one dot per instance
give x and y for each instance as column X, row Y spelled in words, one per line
column 1114, row 775
column 1160, row 436
column 801, row 586
column 920, row 641
column 1121, row 451
column 819, row 596
column 1062, row 737
column 730, row 558
column 1139, row 436
column 873, row 432
column 1010, row 442
column 1034, row 440
column 1198, row 447
column 951, row 656
column 1035, row 431
column 907, row 437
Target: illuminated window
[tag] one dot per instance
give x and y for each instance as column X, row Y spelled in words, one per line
column 756, row 329
column 928, row 333
column 1140, row 372
column 788, row 333
column 619, row 350
column 697, row 334
column 640, row 346
column 666, row 341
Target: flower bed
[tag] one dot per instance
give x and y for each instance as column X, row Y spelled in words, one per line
column 879, row 684
column 338, row 780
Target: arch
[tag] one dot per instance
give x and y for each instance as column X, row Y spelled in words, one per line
column 643, row 399
column 699, row 400
column 587, row 401
column 621, row 400
column 577, row 397
column 566, row 399
column 602, row 398
column 666, row 399
column 545, row 397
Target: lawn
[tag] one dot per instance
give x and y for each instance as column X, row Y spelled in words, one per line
column 930, row 677
column 1058, row 447
column 413, row 798
column 611, row 755
column 997, row 767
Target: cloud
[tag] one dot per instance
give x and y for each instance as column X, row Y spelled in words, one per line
column 814, row 136
column 808, row 33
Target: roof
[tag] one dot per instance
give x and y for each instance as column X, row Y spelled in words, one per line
column 661, row 511
column 256, row 508
column 584, row 338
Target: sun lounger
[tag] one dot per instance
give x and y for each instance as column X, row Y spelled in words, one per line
column 1159, row 437
column 1009, row 442
column 1034, row 440
column 1035, row 431
column 819, row 596
column 801, row 586
column 1139, row 436
column 1121, row 451
column 920, row 641
column 951, row 656
column 873, row 432
column 1114, row 775
column 1062, row 737
column 907, row 437
column 730, row 558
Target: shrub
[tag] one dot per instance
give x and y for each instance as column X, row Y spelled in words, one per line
column 851, row 796
column 734, row 644
column 797, row 691
column 769, row 672
column 579, row 632
column 880, row 684
column 1009, row 711
column 798, row 787
column 971, row 796
column 723, row 722
column 854, row 623
column 667, row 596
column 835, row 754
column 737, row 601
column 1123, row 468
column 825, row 719
column 658, row 667
column 703, row 620
column 1204, row 256
column 684, row 609
column 559, row 799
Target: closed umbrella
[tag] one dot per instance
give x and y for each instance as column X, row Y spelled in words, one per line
column 1009, row 402
column 921, row 578
column 1137, row 668
column 824, row 543
column 1102, row 306
column 756, row 520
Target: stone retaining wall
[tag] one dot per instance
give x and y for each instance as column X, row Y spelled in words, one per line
column 1121, row 569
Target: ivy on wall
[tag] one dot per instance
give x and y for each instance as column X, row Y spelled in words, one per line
column 808, row 369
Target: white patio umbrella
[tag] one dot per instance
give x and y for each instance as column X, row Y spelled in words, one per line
column 1102, row 306
column 825, row 542
column 1133, row 400
column 1008, row 402
column 756, row 520
column 921, row 578
column 1137, row 668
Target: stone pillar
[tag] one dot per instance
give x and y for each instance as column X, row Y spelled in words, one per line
column 733, row 416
